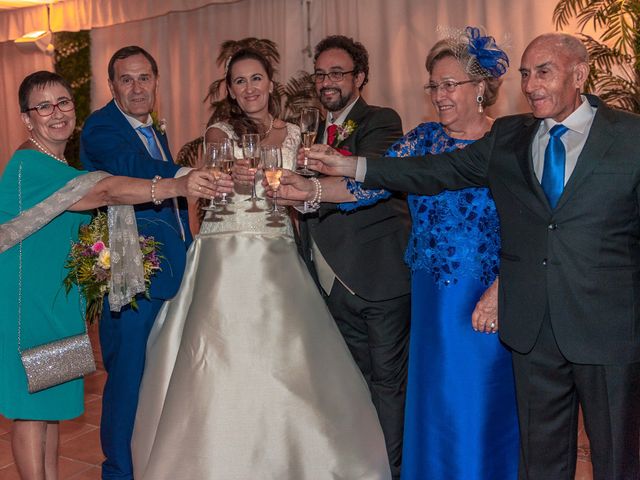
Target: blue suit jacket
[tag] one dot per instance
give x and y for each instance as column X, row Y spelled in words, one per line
column 109, row 143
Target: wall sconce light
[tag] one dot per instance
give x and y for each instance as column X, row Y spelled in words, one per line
column 39, row 40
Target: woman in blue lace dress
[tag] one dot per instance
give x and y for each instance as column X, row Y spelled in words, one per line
column 460, row 417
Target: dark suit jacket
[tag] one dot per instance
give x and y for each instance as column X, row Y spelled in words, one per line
column 365, row 248
column 580, row 261
column 109, row 143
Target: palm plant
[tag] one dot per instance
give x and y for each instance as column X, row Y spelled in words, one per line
column 615, row 55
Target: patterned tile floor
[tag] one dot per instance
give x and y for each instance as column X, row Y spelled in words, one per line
column 80, row 454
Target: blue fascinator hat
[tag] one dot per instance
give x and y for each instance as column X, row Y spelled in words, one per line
column 489, row 56
column 478, row 52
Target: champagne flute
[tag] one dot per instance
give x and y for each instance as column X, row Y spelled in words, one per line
column 251, row 152
column 212, row 165
column 309, row 119
column 272, row 166
column 226, row 160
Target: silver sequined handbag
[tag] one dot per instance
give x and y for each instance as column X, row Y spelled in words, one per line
column 55, row 362
column 58, row 362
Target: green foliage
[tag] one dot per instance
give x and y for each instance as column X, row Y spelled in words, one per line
column 615, row 55
column 73, row 62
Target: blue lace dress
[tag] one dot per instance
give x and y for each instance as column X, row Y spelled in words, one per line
column 460, row 417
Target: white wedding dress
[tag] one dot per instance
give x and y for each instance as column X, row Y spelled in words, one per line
column 247, row 376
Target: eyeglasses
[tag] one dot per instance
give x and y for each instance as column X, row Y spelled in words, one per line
column 449, row 86
column 46, row 109
column 333, row 76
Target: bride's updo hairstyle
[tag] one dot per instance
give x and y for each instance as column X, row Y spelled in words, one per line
column 478, row 55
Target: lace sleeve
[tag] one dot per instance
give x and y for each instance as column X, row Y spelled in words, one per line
column 402, row 148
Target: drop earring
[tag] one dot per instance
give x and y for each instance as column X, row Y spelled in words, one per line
column 480, row 99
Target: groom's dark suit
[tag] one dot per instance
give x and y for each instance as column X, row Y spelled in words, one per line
column 365, row 248
column 570, row 276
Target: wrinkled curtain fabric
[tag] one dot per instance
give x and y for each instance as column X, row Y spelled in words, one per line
column 184, row 36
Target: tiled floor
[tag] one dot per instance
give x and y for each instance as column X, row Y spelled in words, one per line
column 80, row 454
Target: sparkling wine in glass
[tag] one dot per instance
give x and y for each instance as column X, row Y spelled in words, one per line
column 251, row 152
column 309, row 120
column 272, row 166
column 212, row 165
column 227, row 160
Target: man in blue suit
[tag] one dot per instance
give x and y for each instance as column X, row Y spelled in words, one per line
column 120, row 139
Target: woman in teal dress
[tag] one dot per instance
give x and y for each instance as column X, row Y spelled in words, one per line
column 35, row 172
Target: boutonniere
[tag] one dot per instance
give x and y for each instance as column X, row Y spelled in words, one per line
column 160, row 124
column 343, row 132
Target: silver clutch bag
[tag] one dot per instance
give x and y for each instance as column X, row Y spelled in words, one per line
column 58, row 362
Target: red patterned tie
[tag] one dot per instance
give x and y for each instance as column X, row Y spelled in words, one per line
column 332, row 131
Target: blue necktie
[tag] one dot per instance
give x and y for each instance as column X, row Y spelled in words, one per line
column 154, row 149
column 554, row 160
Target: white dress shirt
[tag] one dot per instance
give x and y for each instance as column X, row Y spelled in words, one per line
column 579, row 125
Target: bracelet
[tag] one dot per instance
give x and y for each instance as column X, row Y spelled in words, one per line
column 154, row 183
column 317, row 198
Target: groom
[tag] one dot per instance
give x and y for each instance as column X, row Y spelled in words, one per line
column 350, row 252
column 120, row 139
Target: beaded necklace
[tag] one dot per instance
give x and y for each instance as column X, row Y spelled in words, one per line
column 266, row 134
column 46, row 151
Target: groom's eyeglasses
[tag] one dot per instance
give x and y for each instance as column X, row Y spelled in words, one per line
column 46, row 109
column 333, row 76
column 448, row 86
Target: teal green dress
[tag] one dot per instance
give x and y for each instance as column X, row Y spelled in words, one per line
column 48, row 313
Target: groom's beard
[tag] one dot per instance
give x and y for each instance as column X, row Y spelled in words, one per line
column 334, row 105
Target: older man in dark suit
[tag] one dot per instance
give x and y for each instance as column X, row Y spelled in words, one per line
column 566, row 182
column 348, row 252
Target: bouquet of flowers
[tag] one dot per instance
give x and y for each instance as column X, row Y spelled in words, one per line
column 89, row 264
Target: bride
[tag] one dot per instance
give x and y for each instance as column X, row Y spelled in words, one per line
column 247, row 376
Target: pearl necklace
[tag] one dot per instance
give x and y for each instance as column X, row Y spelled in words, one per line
column 46, row 151
column 266, row 134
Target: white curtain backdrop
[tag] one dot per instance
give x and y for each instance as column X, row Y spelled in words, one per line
column 184, row 36
column 14, row 65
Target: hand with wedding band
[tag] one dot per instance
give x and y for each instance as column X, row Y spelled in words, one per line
column 485, row 316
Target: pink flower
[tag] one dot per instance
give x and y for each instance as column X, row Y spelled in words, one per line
column 98, row 246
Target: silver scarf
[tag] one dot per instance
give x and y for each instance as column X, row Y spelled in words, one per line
column 127, row 273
